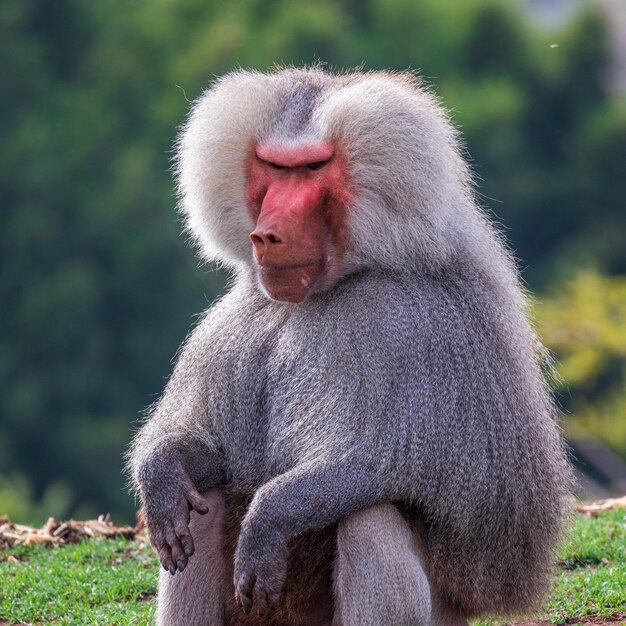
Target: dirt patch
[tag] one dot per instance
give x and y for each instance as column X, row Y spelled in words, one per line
column 594, row 508
column 53, row 532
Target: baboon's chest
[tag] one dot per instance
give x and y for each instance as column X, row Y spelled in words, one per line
column 273, row 406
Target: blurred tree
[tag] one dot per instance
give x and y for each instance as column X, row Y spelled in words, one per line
column 584, row 322
column 97, row 288
column 497, row 44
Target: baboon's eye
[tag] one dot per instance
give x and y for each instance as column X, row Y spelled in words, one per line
column 316, row 165
column 276, row 166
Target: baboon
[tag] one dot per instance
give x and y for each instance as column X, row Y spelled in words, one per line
column 359, row 432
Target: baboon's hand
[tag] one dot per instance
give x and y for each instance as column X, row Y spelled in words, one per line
column 260, row 569
column 168, row 504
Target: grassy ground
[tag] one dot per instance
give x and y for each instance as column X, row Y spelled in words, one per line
column 99, row 581
column 112, row 582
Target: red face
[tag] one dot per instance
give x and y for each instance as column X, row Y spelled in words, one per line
column 297, row 198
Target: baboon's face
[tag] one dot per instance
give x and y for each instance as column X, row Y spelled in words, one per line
column 297, row 197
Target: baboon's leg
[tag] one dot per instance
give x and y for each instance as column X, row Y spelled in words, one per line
column 379, row 576
column 196, row 596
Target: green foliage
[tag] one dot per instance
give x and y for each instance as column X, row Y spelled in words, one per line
column 584, row 322
column 18, row 501
column 96, row 285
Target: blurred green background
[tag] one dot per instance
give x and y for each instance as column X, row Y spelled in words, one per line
column 98, row 287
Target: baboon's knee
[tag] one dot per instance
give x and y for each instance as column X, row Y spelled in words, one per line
column 379, row 576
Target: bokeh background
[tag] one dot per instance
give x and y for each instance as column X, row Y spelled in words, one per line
column 98, row 287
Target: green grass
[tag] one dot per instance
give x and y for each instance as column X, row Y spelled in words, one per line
column 112, row 582
column 594, row 576
column 100, row 581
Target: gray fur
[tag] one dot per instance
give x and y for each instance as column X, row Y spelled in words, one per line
column 376, row 543
column 415, row 378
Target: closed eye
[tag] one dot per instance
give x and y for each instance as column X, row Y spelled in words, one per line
column 276, row 166
column 316, row 165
